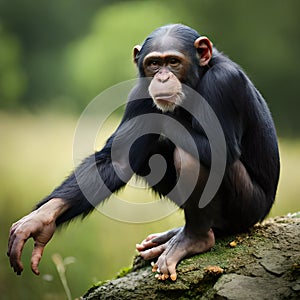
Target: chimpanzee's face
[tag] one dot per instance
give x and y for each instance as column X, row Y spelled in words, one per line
column 168, row 64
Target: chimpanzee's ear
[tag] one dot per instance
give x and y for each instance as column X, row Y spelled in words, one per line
column 204, row 47
column 136, row 51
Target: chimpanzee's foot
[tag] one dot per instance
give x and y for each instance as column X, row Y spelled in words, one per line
column 150, row 247
column 182, row 244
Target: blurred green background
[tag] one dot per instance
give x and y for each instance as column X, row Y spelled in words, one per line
column 56, row 56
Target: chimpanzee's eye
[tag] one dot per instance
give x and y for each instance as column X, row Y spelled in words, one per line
column 174, row 62
column 153, row 63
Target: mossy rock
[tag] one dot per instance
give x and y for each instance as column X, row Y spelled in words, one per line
column 261, row 264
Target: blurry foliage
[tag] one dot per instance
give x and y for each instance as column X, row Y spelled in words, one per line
column 36, row 153
column 12, row 77
column 264, row 38
column 43, row 29
column 61, row 54
column 104, row 56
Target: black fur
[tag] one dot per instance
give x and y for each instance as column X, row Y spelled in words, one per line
column 246, row 121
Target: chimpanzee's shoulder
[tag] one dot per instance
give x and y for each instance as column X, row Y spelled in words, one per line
column 224, row 71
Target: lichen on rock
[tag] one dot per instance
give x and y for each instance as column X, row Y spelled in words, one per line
column 263, row 264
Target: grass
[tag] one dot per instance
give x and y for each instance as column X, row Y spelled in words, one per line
column 288, row 194
column 36, row 154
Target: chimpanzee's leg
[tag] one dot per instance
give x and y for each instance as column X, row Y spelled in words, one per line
column 239, row 204
column 196, row 236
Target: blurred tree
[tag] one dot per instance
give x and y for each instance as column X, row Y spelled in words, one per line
column 264, row 38
column 43, row 28
column 12, row 77
column 104, row 57
column 71, row 50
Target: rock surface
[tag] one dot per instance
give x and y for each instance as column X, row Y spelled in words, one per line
column 261, row 264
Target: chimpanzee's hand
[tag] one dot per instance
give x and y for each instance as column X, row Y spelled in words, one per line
column 37, row 225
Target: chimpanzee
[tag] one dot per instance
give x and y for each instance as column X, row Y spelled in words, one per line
column 172, row 61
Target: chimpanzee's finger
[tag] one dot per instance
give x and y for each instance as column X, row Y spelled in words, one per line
column 16, row 247
column 11, row 238
column 36, row 257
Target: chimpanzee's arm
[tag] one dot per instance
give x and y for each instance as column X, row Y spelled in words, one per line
column 97, row 177
column 93, row 181
column 81, row 191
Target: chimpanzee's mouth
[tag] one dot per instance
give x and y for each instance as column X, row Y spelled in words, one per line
column 168, row 101
column 165, row 97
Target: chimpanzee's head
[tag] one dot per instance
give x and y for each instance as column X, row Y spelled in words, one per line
column 172, row 55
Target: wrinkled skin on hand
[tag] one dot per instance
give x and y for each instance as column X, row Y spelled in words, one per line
column 37, row 226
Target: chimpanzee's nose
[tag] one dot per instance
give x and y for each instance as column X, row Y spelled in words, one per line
column 163, row 76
